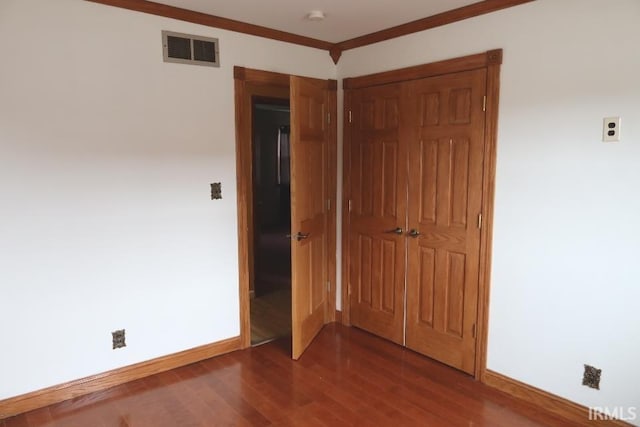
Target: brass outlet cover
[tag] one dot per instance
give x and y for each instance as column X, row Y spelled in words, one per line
column 118, row 339
column 216, row 191
column 591, row 377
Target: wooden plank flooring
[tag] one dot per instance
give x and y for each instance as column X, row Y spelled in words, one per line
column 346, row 377
column 271, row 316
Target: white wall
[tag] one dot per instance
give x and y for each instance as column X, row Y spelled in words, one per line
column 106, row 155
column 566, row 275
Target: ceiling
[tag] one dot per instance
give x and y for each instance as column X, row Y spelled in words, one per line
column 345, row 19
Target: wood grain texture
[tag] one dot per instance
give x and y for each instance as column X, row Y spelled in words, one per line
column 464, row 63
column 332, row 191
column 261, row 78
column 448, row 17
column 106, row 380
column 552, row 403
column 309, row 143
column 346, row 196
column 214, row 21
column 251, row 84
column 378, row 178
column 489, row 61
column 494, row 59
column 271, row 316
column 446, row 136
column 346, row 377
column 244, row 197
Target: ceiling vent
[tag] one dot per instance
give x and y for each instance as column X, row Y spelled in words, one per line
column 189, row 49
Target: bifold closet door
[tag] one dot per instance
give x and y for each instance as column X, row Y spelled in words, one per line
column 445, row 195
column 378, row 213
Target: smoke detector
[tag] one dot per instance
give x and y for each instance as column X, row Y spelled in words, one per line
column 315, row 15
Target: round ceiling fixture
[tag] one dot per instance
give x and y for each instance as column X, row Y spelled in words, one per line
column 315, row 15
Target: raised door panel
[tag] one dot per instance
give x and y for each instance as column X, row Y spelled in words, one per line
column 378, row 183
column 446, row 156
column 309, row 157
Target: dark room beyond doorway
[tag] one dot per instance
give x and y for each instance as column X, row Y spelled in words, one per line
column 271, row 296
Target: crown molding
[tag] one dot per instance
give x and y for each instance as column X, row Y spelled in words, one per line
column 444, row 18
column 166, row 11
column 334, row 49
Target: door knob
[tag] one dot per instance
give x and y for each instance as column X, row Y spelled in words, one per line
column 298, row 236
column 396, row 230
column 413, row 233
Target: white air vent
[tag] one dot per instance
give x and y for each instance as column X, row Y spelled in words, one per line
column 189, row 49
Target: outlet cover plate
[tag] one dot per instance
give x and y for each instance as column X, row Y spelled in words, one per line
column 216, row 191
column 591, row 377
column 118, row 339
column 611, row 129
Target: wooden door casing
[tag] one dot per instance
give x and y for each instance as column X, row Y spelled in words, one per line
column 309, row 159
column 445, row 199
column 378, row 206
column 249, row 84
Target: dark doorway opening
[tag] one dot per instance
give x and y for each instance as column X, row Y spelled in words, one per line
column 271, row 291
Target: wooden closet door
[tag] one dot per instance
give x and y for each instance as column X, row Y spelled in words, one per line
column 378, row 213
column 445, row 195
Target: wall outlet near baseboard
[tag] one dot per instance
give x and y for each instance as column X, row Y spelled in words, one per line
column 591, row 377
column 118, row 339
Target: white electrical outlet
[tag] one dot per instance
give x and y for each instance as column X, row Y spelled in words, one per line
column 611, row 129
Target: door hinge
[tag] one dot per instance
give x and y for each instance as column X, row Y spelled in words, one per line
column 329, row 118
column 473, row 330
column 350, row 205
column 484, row 103
column 350, row 116
column 328, row 205
column 479, row 220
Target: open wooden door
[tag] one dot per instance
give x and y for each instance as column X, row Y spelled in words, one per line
column 310, row 134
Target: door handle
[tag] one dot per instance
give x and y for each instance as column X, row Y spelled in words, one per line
column 396, row 230
column 413, row 233
column 298, row 236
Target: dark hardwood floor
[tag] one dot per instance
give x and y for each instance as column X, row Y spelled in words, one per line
column 346, row 377
column 271, row 316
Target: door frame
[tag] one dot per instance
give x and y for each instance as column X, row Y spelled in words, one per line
column 491, row 61
column 250, row 83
